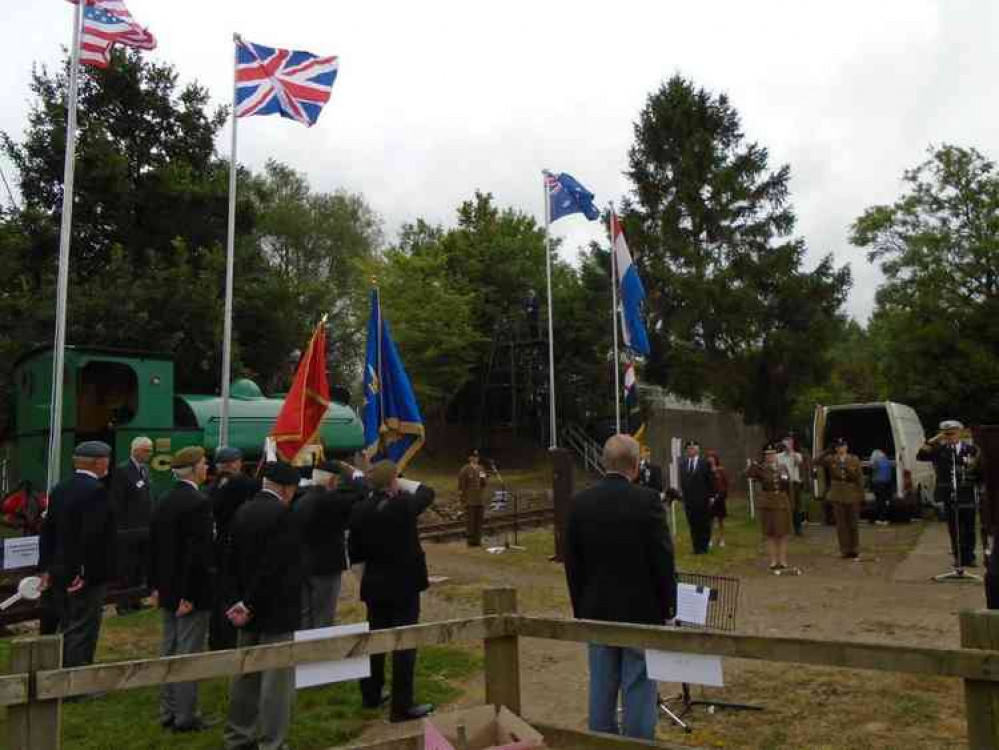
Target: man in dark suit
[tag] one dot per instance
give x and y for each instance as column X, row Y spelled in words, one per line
column 697, row 488
column 650, row 475
column 619, row 567
column 77, row 551
column 132, row 500
column 266, row 566
column 385, row 540
column 322, row 514
column 228, row 491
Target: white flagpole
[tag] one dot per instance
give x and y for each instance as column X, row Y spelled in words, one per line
column 229, row 263
column 62, row 283
column 553, row 443
column 617, row 356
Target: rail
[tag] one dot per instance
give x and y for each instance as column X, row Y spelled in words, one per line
column 34, row 691
column 586, row 449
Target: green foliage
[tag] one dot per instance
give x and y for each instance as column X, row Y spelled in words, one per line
column 937, row 313
column 732, row 314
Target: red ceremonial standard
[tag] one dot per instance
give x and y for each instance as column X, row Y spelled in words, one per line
column 306, row 403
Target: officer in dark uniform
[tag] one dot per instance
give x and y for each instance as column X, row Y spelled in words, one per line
column 133, row 506
column 956, row 464
column 385, row 540
column 266, row 566
column 77, row 551
column 228, row 491
column 322, row 513
column 181, row 579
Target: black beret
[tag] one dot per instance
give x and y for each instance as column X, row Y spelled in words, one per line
column 281, row 473
column 92, row 449
column 771, row 448
column 227, row 454
column 474, row 452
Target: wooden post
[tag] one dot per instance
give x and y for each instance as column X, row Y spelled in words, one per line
column 35, row 725
column 502, row 654
column 980, row 629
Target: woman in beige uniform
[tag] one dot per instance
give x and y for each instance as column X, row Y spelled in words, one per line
column 774, row 505
column 846, row 492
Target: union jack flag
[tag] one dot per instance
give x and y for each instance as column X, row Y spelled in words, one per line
column 106, row 23
column 290, row 83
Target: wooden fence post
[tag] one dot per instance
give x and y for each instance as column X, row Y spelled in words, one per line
column 980, row 629
column 502, row 654
column 35, row 725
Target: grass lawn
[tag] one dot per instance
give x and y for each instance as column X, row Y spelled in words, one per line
column 323, row 716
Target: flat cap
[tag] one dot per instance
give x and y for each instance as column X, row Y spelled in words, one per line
column 281, row 473
column 226, row 454
column 92, row 449
column 381, row 475
column 951, row 424
column 189, row 456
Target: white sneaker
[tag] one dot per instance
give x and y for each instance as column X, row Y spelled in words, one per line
column 721, row 543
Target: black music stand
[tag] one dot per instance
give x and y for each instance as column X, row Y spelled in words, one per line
column 722, row 602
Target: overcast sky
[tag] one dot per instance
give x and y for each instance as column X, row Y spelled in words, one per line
column 437, row 99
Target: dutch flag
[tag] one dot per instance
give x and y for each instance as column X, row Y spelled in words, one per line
column 631, row 291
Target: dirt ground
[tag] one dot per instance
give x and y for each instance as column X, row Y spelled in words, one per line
column 886, row 598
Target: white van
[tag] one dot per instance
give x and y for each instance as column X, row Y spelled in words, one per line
column 893, row 428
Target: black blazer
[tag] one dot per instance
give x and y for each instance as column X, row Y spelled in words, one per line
column 181, row 553
column 650, row 476
column 78, row 536
column 618, row 554
column 697, row 486
column 228, row 493
column 265, row 564
column 131, row 497
column 322, row 516
column 384, row 536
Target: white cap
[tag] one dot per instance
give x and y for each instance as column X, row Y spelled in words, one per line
column 951, row 424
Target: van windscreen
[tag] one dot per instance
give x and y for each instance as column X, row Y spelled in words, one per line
column 864, row 429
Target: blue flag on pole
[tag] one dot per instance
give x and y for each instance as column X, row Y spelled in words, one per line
column 393, row 425
column 632, row 292
column 566, row 196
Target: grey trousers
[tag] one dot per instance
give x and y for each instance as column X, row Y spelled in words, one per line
column 260, row 702
column 182, row 635
column 319, row 600
column 81, row 624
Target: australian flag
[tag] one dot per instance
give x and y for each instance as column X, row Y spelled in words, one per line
column 566, row 196
column 290, row 83
column 393, row 426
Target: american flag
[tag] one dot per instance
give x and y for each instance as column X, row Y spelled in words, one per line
column 290, row 83
column 106, row 23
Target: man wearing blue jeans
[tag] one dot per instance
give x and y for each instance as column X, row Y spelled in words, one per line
column 619, row 567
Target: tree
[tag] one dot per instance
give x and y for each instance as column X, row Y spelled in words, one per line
column 937, row 312
column 732, row 314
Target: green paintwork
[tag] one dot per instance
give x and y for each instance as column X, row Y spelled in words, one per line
column 171, row 421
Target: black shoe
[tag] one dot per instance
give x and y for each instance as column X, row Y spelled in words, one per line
column 166, row 723
column 198, row 725
column 413, row 713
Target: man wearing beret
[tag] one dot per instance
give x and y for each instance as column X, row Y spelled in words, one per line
column 77, row 551
column 385, row 540
column 846, row 493
column 228, row 491
column 322, row 514
column 266, row 566
column 181, row 575
column 956, row 464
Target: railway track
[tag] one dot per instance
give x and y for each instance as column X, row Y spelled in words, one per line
column 525, row 519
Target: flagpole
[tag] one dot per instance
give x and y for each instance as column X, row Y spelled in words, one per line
column 551, row 341
column 229, row 264
column 617, row 357
column 62, row 283
column 381, row 381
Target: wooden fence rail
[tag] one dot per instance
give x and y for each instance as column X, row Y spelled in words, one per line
column 36, row 688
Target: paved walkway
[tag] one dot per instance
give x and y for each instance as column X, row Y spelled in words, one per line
column 930, row 557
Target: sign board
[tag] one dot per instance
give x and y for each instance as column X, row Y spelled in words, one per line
column 20, row 552
column 694, row 669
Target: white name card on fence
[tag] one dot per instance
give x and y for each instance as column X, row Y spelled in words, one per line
column 20, row 552
column 694, row 669
column 326, row 672
column 692, row 604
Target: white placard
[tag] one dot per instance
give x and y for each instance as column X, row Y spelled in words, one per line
column 692, row 604
column 694, row 669
column 326, row 672
column 21, row 552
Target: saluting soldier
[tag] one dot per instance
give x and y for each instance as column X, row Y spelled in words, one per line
column 956, row 464
column 774, row 504
column 228, row 491
column 471, row 482
column 846, row 492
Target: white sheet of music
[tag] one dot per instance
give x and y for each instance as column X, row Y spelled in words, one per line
column 692, row 604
